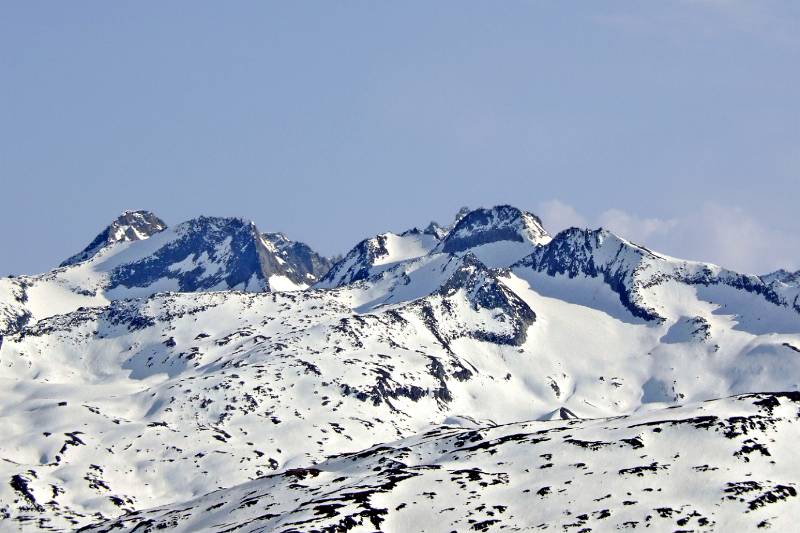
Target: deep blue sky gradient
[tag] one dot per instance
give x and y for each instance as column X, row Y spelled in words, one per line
column 332, row 121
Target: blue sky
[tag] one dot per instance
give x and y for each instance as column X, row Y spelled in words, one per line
column 676, row 124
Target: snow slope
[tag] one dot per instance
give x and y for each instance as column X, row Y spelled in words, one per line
column 373, row 255
column 726, row 465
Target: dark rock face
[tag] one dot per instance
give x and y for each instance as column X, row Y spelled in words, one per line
column 484, row 291
column 357, row 264
column 130, row 226
column 440, row 232
column 748, row 283
column 629, row 269
column 501, row 223
column 14, row 314
column 575, row 252
column 211, row 253
column 436, row 230
column 208, row 253
column 300, row 257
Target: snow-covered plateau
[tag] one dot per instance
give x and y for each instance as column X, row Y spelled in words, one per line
column 479, row 376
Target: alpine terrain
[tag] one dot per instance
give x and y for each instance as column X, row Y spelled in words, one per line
column 481, row 375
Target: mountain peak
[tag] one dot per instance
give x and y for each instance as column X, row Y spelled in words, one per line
column 129, row 226
column 464, row 211
column 299, row 256
column 436, row 230
column 380, row 252
column 439, row 231
column 783, row 276
column 499, row 223
column 222, row 253
column 499, row 236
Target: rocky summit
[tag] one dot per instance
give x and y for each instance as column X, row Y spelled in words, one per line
column 481, row 375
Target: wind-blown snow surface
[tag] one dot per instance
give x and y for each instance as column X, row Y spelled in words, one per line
column 116, row 404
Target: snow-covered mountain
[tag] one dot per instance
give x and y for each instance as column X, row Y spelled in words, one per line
column 782, row 276
column 451, row 354
column 137, row 256
column 639, row 276
column 299, row 257
column 129, row 226
column 380, row 252
column 497, row 236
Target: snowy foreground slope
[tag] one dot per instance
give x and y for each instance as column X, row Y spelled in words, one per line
column 725, row 464
column 424, row 346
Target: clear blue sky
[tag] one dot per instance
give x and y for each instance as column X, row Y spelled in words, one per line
column 332, row 121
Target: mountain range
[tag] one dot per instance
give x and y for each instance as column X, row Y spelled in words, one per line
column 481, row 375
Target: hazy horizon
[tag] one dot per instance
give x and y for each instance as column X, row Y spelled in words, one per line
column 675, row 124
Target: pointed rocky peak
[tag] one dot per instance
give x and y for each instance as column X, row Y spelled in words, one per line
column 464, row 211
column 484, row 291
column 470, row 273
column 277, row 239
column 129, row 226
column 300, row 257
column 358, row 262
column 562, row 413
column 435, row 230
column 135, row 226
column 500, row 223
column 499, row 236
column 439, row 231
